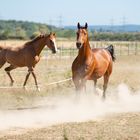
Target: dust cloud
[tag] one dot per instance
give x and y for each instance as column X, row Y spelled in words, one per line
column 72, row 108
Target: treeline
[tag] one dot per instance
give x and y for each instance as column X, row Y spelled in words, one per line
column 115, row 36
column 12, row 29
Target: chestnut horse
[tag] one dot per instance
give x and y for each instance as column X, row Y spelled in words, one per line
column 27, row 55
column 91, row 64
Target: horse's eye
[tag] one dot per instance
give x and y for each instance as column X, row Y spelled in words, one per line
column 51, row 41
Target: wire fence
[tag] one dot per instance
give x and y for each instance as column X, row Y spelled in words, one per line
column 70, row 51
column 67, row 48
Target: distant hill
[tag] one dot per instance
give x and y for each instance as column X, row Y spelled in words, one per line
column 21, row 29
column 12, row 29
column 108, row 28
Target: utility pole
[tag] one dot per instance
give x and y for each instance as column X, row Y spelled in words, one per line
column 50, row 23
column 60, row 21
column 1, row 17
column 123, row 23
column 112, row 24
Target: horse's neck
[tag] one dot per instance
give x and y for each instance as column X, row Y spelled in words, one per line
column 85, row 51
column 38, row 46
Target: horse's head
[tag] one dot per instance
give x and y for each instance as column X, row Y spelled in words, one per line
column 82, row 35
column 51, row 42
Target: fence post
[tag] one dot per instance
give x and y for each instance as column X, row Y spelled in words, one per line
column 136, row 48
column 120, row 50
column 5, row 44
column 61, row 50
column 70, row 52
column 128, row 49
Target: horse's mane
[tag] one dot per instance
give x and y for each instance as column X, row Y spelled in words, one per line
column 36, row 39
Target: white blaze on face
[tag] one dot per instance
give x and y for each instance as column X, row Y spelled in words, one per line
column 54, row 44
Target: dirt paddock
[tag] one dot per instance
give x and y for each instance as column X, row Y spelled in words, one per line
column 54, row 114
column 121, row 126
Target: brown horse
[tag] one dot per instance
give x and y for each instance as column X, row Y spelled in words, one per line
column 27, row 55
column 91, row 64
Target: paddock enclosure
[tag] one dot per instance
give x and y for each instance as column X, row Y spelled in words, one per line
column 57, row 113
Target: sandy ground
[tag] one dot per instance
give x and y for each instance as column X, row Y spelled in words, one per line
column 118, row 118
column 124, row 126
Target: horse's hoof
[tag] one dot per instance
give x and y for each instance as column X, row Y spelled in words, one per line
column 11, row 84
column 103, row 98
column 24, row 88
column 38, row 89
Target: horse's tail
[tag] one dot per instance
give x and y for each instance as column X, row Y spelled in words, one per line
column 112, row 52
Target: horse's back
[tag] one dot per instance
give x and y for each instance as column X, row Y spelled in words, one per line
column 2, row 56
column 101, row 54
column 15, row 55
column 103, row 62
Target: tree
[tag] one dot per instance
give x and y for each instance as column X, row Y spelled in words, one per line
column 21, row 33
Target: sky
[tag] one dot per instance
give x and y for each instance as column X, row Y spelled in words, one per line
column 69, row 12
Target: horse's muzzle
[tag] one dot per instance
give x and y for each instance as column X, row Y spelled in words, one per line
column 54, row 51
column 78, row 44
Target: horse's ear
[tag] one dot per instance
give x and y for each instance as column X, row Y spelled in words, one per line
column 86, row 25
column 78, row 25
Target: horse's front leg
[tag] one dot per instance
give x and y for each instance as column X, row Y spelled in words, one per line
column 38, row 89
column 83, row 84
column 31, row 70
column 27, row 77
column 76, row 81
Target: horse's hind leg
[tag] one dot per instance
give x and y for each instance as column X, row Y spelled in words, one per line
column 2, row 58
column 8, row 69
column 106, row 79
column 2, row 63
column 95, row 84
